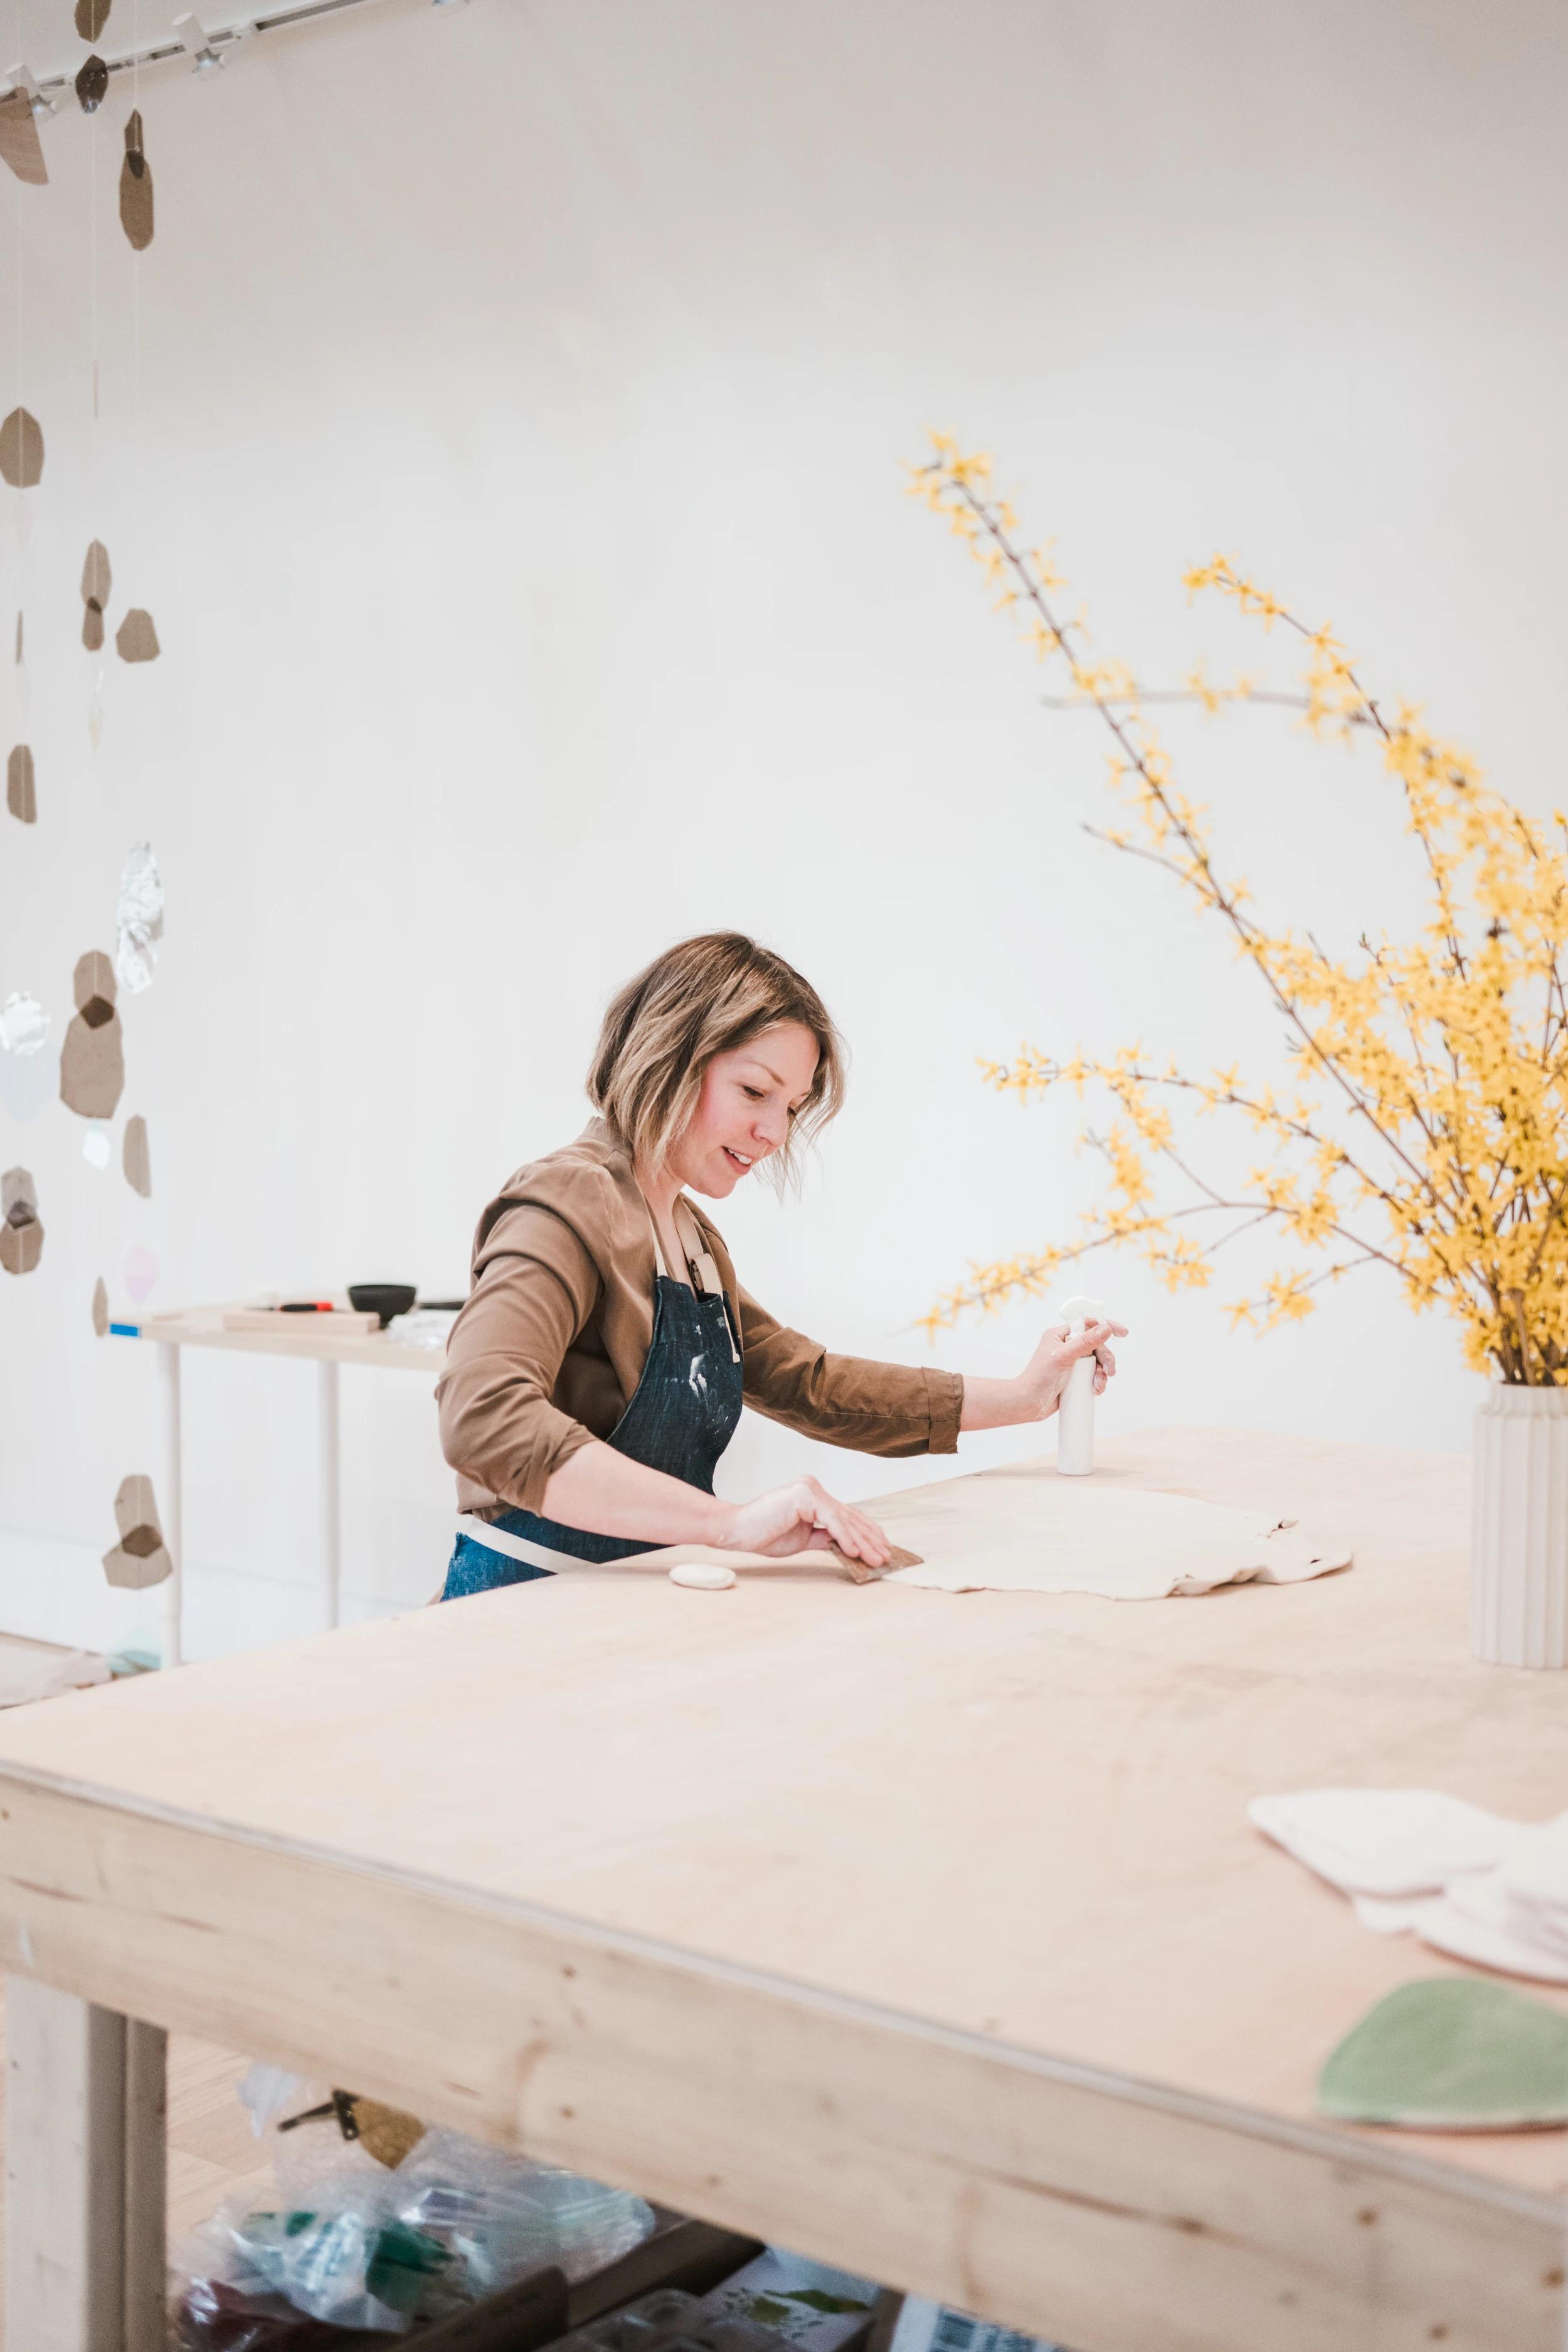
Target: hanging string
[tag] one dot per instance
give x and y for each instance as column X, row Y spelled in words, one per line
column 92, row 279
column 22, row 510
column 136, row 275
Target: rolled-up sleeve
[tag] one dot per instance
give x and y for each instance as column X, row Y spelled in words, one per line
column 535, row 1286
column 852, row 1401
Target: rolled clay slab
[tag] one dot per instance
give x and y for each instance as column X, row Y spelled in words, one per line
column 1045, row 1535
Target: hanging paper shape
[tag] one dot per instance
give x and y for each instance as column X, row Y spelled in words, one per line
column 141, row 1557
column 92, row 85
column 136, row 639
column 21, row 1233
column 24, row 1023
column 135, row 1159
column 21, row 786
column 91, row 15
column 139, row 916
column 96, row 580
column 97, row 1147
column 136, row 188
column 139, row 1273
column 26, row 1071
column 19, row 144
column 21, row 448
column 100, row 1308
column 92, row 1062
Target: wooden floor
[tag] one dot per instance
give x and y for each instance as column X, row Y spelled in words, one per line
column 211, row 2149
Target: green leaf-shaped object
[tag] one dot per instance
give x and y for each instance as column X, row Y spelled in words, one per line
column 1451, row 2053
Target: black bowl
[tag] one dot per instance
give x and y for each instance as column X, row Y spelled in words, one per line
column 384, row 1298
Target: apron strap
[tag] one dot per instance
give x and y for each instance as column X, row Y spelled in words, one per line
column 522, row 1547
column 701, row 1264
column 705, row 1270
column 698, row 1256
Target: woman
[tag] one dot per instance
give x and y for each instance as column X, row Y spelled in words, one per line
column 597, row 1371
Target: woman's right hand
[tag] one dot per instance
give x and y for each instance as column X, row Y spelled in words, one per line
column 794, row 1517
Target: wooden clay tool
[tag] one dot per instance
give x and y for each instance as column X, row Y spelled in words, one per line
column 859, row 1573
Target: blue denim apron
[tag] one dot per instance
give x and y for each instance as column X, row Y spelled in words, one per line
column 680, row 1419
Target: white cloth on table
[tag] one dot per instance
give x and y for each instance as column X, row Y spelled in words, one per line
column 1417, row 1861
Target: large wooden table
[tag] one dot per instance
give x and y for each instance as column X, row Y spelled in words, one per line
column 922, row 1932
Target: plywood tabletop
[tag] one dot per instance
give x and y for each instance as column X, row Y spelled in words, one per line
column 1012, row 1815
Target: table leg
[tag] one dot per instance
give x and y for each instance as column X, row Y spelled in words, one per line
column 172, row 1496
column 329, row 1487
column 146, row 2186
column 84, row 2126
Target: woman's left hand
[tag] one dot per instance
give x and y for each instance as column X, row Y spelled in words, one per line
column 1050, row 1367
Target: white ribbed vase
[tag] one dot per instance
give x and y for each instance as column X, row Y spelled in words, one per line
column 1519, row 1528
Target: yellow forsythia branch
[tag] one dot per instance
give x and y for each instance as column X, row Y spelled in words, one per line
column 1433, row 1139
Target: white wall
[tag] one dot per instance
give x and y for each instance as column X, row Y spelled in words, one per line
column 510, row 463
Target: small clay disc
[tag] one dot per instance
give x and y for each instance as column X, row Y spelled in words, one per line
column 703, row 1576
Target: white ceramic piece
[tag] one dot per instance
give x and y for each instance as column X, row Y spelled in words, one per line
column 1519, row 1527
column 1075, row 1413
column 703, row 1575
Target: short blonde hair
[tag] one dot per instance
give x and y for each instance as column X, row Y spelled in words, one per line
column 702, row 997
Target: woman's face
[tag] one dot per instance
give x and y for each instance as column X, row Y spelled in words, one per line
column 748, row 1096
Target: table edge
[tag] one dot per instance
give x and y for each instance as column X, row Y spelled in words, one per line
column 1325, row 2139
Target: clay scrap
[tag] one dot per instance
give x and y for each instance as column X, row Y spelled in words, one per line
column 96, row 580
column 136, row 640
column 21, row 786
column 136, row 188
column 141, row 1557
column 21, row 1231
column 21, row 448
column 19, row 144
column 135, row 1159
column 92, row 85
column 92, row 1061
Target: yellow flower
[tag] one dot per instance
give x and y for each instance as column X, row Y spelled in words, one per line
column 1434, row 1140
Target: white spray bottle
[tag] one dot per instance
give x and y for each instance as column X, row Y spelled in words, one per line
column 1075, row 1414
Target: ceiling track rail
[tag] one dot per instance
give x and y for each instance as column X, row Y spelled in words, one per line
column 200, row 48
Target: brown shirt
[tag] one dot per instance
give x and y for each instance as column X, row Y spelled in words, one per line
column 551, row 1342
